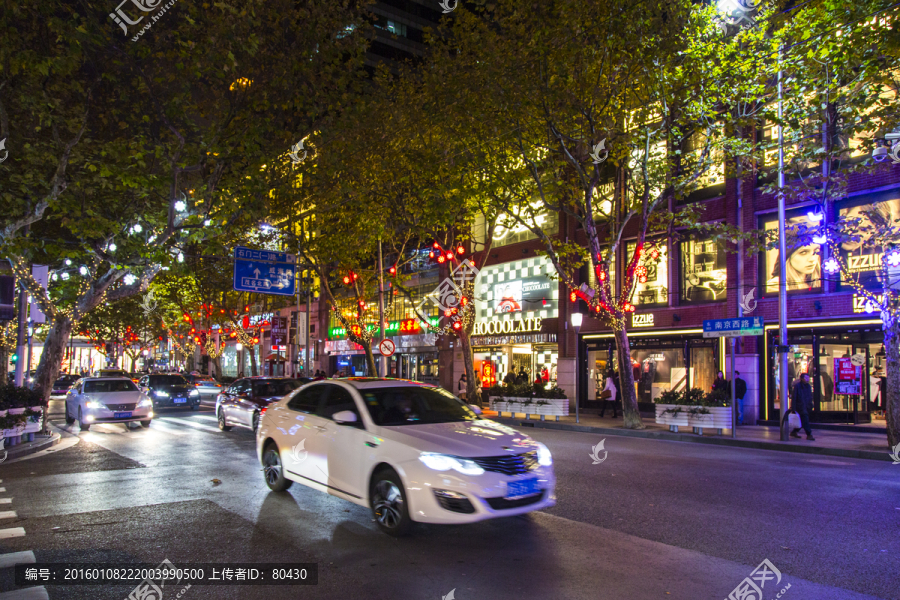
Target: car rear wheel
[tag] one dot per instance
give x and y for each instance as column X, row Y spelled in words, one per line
column 255, row 420
column 222, row 425
column 388, row 501
column 81, row 422
column 274, row 470
column 69, row 418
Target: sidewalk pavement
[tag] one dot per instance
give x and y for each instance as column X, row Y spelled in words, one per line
column 41, row 442
column 856, row 444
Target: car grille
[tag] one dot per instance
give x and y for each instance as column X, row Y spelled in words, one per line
column 515, row 464
column 457, row 505
column 504, row 504
column 121, row 406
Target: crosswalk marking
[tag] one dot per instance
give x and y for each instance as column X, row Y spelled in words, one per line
column 158, row 425
column 190, row 424
column 12, row 532
column 31, row 593
column 5, row 500
column 7, row 514
column 16, row 558
column 2, row 489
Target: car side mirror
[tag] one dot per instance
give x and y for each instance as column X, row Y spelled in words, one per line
column 475, row 409
column 344, row 416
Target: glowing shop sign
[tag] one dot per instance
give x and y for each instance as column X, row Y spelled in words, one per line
column 516, row 326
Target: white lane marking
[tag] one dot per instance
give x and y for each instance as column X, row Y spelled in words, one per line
column 7, row 514
column 32, row 593
column 17, row 558
column 206, row 418
column 2, row 489
column 160, row 426
column 189, row 424
column 12, row 532
column 5, row 500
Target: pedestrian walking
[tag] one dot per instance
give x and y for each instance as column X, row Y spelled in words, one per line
column 801, row 403
column 462, row 386
column 740, row 388
column 609, row 394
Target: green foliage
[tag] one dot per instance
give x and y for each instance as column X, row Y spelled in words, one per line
column 693, row 397
column 19, row 397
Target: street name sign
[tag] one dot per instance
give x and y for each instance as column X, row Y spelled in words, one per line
column 264, row 272
column 733, row 327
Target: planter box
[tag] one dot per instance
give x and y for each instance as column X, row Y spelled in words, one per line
column 33, row 425
column 11, row 433
column 719, row 417
column 556, row 407
column 667, row 418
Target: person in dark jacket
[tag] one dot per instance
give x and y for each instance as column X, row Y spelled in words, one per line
column 721, row 383
column 801, row 403
column 510, row 378
column 740, row 389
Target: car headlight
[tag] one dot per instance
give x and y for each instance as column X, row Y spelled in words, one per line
column 161, row 394
column 145, row 402
column 94, row 404
column 544, row 457
column 194, row 393
column 444, row 462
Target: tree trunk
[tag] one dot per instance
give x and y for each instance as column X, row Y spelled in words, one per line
column 630, row 411
column 473, row 392
column 370, row 359
column 217, row 365
column 4, row 363
column 892, row 397
column 253, row 361
column 51, row 360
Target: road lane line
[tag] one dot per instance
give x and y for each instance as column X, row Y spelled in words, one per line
column 12, row 532
column 17, row 558
column 2, row 489
column 190, row 424
column 7, row 514
column 31, row 593
column 5, row 500
column 160, row 426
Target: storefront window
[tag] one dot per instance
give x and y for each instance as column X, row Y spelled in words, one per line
column 651, row 282
column 803, row 266
column 863, row 258
column 703, row 367
column 507, row 231
column 657, row 371
column 703, row 273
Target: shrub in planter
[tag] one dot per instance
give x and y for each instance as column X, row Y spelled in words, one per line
column 16, row 406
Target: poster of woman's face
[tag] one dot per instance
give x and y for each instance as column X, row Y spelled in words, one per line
column 803, row 262
column 860, row 255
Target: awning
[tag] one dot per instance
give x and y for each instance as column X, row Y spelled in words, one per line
column 276, row 357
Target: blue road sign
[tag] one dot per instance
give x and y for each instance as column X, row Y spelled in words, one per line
column 266, row 255
column 263, row 277
column 733, row 327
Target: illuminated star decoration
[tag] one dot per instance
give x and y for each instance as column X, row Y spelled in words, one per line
column 831, row 266
column 893, row 258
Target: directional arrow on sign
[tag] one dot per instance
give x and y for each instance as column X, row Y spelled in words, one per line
column 256, row 273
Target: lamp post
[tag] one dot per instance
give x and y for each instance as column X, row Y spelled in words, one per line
column 240, row 359
column 577, row 318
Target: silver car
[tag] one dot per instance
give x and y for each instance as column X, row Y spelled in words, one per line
column 208, row 387
column 107, row 400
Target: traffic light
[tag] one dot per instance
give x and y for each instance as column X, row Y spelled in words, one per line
column 14, row 358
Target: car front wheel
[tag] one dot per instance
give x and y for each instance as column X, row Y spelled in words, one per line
column 388, row 501
column 69, row 418
column 222, row 424
column 85, row 426
column 274, row 470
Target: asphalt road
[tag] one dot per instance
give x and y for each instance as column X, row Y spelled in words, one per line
column 654, row 519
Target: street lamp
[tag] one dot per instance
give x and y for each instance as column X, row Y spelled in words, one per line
column 577, row 319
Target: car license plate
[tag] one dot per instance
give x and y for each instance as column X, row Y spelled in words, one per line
column 524, row 487
column 125, row 415
column 178, row 400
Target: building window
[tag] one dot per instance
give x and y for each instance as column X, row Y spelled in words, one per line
column 703, row 273
column 804, row 263
column 862, row 257
column 651, row 278
column 508, row 232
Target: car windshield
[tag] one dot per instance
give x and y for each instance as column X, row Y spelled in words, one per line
column 167, row 380
column 108, row 386
column 279, row 387
column 410, row 405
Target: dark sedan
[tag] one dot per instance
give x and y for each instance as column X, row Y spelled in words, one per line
column 61, row 386
column 170, row 391
column 241, row 403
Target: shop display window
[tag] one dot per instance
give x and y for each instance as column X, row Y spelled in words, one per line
column 703, row 272
column 656, row 371
column 651, row 281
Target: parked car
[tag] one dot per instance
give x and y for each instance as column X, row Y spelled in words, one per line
column 62, row 385
column 170, row 391
column 107, row 400
column 208, row 387
column 243, row 401
column 409, row 451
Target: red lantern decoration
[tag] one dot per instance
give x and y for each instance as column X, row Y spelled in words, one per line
column 602, row 275
column 441, row 259
column 431, row 254
column 436, row 245
column 393, row 270
column 346, row 280
column 460, row 250
column 457, row 325
column 573, row 296
column 654, row 254
column 449, row 256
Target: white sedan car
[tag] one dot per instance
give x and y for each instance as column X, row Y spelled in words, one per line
column 409, row 451
column 107, row 400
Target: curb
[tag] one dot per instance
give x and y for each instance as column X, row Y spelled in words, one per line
column 695, row 439
column 20, row 450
